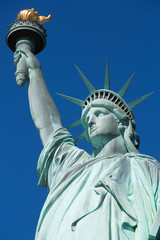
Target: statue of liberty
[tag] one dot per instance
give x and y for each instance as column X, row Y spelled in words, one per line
column 111, row 194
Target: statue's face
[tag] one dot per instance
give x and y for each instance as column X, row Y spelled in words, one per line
column 101, row 125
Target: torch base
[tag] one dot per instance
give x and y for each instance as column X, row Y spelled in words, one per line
column 26, row 30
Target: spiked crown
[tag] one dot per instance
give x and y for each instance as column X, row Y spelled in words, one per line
column 111, row 98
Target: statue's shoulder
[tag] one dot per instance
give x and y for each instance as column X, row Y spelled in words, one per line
column 143, row 158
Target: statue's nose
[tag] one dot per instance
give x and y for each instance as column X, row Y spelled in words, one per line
column 91, row 120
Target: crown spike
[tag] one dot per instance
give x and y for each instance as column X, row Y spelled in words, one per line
column 139, row 100
column 126, row 86
column 75, row 124
column 80, row 137
column 106, row 80
column 71, row 99
column 87, row 83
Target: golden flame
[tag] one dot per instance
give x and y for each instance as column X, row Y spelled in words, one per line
column 32, row 15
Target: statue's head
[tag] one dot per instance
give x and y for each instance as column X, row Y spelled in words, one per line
column 105, row 114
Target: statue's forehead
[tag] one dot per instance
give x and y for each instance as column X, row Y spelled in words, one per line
column 100, row 104
column 98, row 107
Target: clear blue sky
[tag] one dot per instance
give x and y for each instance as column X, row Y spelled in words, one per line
column 85, row 33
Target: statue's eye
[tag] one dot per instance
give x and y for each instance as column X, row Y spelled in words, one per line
column 99, row 114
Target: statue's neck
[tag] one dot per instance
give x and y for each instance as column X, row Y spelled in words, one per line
column 114, row 146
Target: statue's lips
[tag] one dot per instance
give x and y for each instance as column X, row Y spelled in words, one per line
column 92, row 129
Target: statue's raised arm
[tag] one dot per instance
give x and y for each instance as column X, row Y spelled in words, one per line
column 43, row 109
column 27, row 37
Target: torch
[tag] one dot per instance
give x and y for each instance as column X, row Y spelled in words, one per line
column 26, row 32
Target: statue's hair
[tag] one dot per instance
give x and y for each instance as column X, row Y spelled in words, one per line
column 131, row 138
column 127, row 129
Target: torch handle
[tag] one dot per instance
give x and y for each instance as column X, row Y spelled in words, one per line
column 21, row 74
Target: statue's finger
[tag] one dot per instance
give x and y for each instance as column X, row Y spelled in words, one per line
column 21, row 51
column 17, row 57
column 17, row 51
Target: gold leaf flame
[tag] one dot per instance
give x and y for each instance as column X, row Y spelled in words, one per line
column 30, row 14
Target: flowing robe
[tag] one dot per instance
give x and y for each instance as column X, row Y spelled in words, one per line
column 96, row 198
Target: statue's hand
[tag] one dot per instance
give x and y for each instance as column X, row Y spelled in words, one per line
column 31, row 60
column 26, row 64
